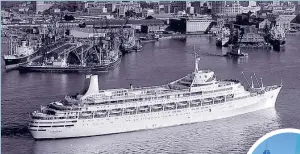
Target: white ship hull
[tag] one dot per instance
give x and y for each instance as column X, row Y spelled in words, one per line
column 129, row 123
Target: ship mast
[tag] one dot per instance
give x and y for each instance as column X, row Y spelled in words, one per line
column 196, row 60
column 246, row 79
column 256, row 79
column 100, row 50
column 10, row 46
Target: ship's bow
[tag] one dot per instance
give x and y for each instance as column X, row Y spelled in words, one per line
column 272, row 95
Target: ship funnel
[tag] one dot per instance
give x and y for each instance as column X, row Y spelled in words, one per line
column 86, row 84
column 93, row 86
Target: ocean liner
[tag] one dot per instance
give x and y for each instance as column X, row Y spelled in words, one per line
column 196, row 97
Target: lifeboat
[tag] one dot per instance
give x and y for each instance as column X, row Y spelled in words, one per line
column 170, row 105
column 86, row 114
column 230, row 96
column 220, row 98
column 129, row 109
column 195, row 102
column 57, row 103
column 58, row 106
column 115, row 111
column 156, row 107
column 144, row 108
column 207, row 100
column 182, row 104
column 101, row 112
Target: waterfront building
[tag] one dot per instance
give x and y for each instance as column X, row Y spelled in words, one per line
column 111, row 7
column 191, row 25
column 197, row 25
column 155, row 7
column 201, row 7
column 96, row 10
column 217, row 7
column 197, row 6
column 177, row 6
column 41, row 6
column 122, row 11
column 262, row 24
column 284, row 21
column 147, row 12
column 92, row 17
column 297, row 8
column 231, row 9
column 252, row 4
column 191, row 10
column 156, row 28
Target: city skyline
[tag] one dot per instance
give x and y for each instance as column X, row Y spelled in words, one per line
column 285, row 143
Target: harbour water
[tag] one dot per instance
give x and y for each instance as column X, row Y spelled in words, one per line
column 158, row 63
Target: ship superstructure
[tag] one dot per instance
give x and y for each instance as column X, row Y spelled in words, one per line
column 275, row 36
column 196, row 97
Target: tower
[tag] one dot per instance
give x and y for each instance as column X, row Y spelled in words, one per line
column 267, row 151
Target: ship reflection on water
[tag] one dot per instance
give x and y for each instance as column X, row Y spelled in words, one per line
column 187, row 138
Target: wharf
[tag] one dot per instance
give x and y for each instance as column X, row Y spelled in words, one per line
column 243, row 46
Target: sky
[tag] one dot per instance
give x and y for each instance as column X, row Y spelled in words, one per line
column 285, row 143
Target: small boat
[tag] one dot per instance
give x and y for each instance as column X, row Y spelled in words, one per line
column 235, row 52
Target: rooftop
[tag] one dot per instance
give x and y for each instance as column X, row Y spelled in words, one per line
column 122, row 22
